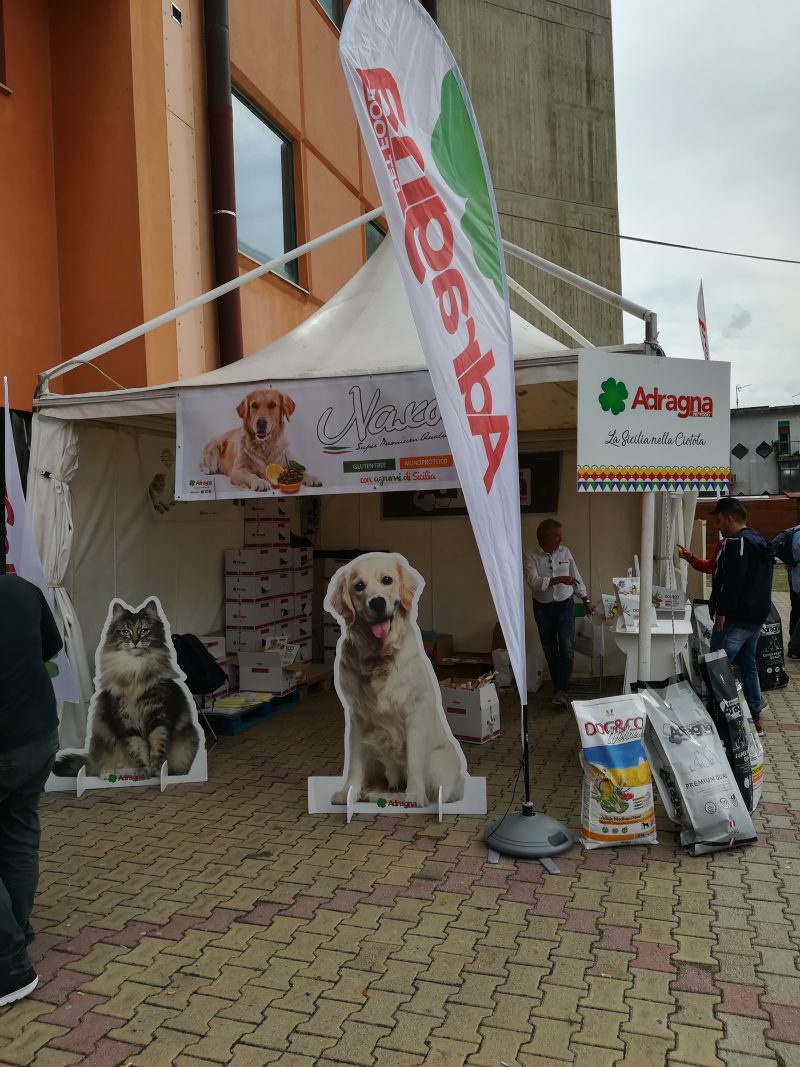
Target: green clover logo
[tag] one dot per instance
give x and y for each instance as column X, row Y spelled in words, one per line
column 381, row 802
column 52, row 668
column 613, row 396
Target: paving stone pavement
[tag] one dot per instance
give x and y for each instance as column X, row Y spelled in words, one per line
column 220, row 924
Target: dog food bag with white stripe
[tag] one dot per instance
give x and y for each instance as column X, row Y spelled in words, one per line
column 695, row 782
column 617, row 798
column 729, row 719
column 755, row 750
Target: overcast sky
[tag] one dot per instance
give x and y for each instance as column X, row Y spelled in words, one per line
column 708, row 139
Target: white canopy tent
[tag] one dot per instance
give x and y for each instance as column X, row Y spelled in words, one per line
column 365, row 329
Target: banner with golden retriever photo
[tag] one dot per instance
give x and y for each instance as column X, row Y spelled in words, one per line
column 143, row 726
column 399, row 750
column 312, row 436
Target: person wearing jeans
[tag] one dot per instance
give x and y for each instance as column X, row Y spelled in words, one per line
column 553, row 578
column 28, row 744
column 741, row 595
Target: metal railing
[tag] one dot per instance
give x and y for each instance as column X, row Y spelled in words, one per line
column 786, row 448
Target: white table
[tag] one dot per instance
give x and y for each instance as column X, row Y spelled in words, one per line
column 663, row 650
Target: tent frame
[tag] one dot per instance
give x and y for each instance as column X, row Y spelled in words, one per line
column 647, row 611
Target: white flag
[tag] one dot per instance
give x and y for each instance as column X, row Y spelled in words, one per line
column 22, row 557
column 701, row 318
column 428, row 159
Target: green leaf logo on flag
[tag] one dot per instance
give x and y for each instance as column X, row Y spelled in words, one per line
column 52, row 668
column 456, row 153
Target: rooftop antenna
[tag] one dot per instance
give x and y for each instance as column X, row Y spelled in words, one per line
column 739, row 389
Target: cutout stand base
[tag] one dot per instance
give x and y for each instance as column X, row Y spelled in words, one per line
column 320, row 791
column 125, row 779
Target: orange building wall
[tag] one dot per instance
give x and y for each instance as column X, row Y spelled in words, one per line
column 29, row 298
column 105, row 214
column 288, row 65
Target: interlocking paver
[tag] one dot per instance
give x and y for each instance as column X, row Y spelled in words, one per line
column 551, row 1038
column 274, row 1029
column 218, row 1043
column 53, row 1057
column 600, row 1029
column 696, row 1045
column 358, row 1045
column 140, row 1030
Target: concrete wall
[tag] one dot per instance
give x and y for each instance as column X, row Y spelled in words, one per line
column 756, row 475
column 540, row 75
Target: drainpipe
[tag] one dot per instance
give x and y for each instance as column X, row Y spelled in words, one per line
column 223, row 189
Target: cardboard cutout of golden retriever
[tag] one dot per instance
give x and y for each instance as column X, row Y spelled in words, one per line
column 244, row 454
column 397, row 739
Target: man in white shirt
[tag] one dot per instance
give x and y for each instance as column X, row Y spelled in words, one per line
column 554, row 580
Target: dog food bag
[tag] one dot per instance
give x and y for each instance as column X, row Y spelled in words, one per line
column 728, row 716
column 769, row 653
column 700, row 642
column 617, row 798
column 755, row 750
column 694, row 779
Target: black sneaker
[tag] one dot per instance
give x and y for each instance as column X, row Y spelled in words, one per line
column 16, row 986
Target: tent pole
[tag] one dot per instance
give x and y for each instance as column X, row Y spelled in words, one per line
column 547, row 312
column 527, row 832
column 584, row 284
column 554, row 269
column 199, row 301
column 646, row 609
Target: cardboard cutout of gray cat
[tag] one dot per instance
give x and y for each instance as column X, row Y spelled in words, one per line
column 399, row 751
column 142, row 725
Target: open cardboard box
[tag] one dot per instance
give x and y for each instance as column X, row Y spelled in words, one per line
column 463, row 665
column 473, row 713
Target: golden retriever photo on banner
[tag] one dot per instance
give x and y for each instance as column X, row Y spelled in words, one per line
column 244, row 453
column 397, row 739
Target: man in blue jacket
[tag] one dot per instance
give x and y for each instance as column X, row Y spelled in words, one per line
column 28, row 744
column 741, row 595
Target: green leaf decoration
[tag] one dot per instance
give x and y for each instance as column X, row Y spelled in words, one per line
column 456, row 153
column 613, row 396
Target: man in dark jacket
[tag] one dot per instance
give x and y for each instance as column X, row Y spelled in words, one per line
column 741, row 595
column 28, row 744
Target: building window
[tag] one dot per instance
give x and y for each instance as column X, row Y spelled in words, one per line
column 783, row 437
column 334, row 9
column 374, row 236
column 264, row 175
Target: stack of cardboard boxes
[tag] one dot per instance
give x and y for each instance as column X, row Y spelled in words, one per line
column 331, row 630
column 268, row 589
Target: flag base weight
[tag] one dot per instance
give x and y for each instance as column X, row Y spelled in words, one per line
column 528, row 833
